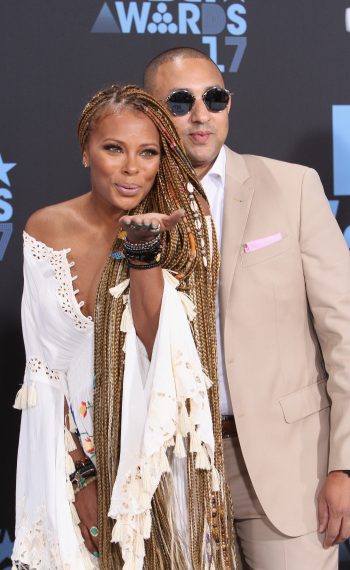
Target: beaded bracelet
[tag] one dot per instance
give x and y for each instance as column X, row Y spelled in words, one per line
column 146, row 257
column 143, row 246
column 84, row 482
column 148, row 252
column 83, row 468
column 143, row 266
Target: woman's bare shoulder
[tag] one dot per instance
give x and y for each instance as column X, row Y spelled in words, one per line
column 54, row 225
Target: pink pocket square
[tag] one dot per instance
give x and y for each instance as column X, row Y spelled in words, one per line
column 262, row 242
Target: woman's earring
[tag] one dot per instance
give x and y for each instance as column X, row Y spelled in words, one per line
column 85, row 163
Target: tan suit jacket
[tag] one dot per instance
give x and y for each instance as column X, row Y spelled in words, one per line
column 285, row 314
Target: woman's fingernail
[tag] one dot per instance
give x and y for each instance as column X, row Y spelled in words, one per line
column 96, row 554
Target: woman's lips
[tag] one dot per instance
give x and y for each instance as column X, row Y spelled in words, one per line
column 200, row 137
column 127, row 189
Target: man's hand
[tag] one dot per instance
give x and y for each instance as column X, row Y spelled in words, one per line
column 334, row 508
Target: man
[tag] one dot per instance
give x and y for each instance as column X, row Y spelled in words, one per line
column 284, row 318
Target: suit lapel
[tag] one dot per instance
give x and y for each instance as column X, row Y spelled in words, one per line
column 237, row 200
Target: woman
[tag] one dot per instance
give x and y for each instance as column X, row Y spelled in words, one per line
column 156, row 498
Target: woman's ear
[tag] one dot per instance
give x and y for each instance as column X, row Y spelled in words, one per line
column 85, row 160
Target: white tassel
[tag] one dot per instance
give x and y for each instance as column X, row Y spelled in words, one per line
column 202, row 459
column 170, row 278
column 69, row 441
column 185, row 424
column 139, row 546
column 26, row 397
column 70, row 467
column 75, row 515
column 72, row 424
column 70, row 492
column 195, row 442
column 78, row 534
column 163, row 462
column 21, row 398
column 170, row 442
column 117, row 531
column 130, row 562
column 179, row 450
column 208, row 383
column 188, row 305
column 119, row 289
column 88, row 565
column 147, row 524
column 215, row 480
column 126, row 321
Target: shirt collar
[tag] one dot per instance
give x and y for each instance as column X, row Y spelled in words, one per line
column 219, row 167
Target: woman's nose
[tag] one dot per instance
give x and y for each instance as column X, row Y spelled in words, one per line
column 130, row 165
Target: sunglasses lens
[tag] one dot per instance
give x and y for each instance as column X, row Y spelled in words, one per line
column 180, row 102
column 216, row 99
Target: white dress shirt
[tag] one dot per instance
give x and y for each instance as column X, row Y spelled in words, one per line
column 214, row 187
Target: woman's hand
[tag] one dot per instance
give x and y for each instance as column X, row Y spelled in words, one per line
column 143, row 227
column 86, row 505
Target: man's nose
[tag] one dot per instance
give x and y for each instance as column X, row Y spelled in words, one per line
column 199, row 112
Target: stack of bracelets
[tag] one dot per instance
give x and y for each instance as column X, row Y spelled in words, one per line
column 84, row 474
column 149, row 252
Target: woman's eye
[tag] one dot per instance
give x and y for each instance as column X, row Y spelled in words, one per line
column 112, row 147
column 150, row 152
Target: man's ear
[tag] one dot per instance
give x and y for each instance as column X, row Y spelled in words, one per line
column 229, row 104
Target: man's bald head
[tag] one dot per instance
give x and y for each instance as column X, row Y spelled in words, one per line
column 167, row 56
column 203, row 130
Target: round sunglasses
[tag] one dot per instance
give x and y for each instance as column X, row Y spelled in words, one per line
column 181, row 101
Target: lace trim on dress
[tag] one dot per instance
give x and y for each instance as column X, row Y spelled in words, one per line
column 36, row 546
column 35, row 365
column 37, row 248
column 61, row 268
column 26, row 396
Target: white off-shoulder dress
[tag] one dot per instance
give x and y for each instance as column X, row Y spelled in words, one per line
column 155, row 423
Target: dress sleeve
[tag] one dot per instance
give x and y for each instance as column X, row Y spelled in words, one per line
column 155, row 422
column 326, row 264
column 47, row 531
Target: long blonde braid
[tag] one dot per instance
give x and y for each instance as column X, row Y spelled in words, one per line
column 180, row 255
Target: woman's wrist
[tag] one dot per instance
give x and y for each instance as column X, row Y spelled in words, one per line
column 84, row 474
column 143, row 254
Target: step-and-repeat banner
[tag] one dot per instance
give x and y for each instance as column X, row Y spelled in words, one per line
column 286, row 62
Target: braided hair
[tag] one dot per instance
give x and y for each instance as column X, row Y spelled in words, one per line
column 181, row 256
